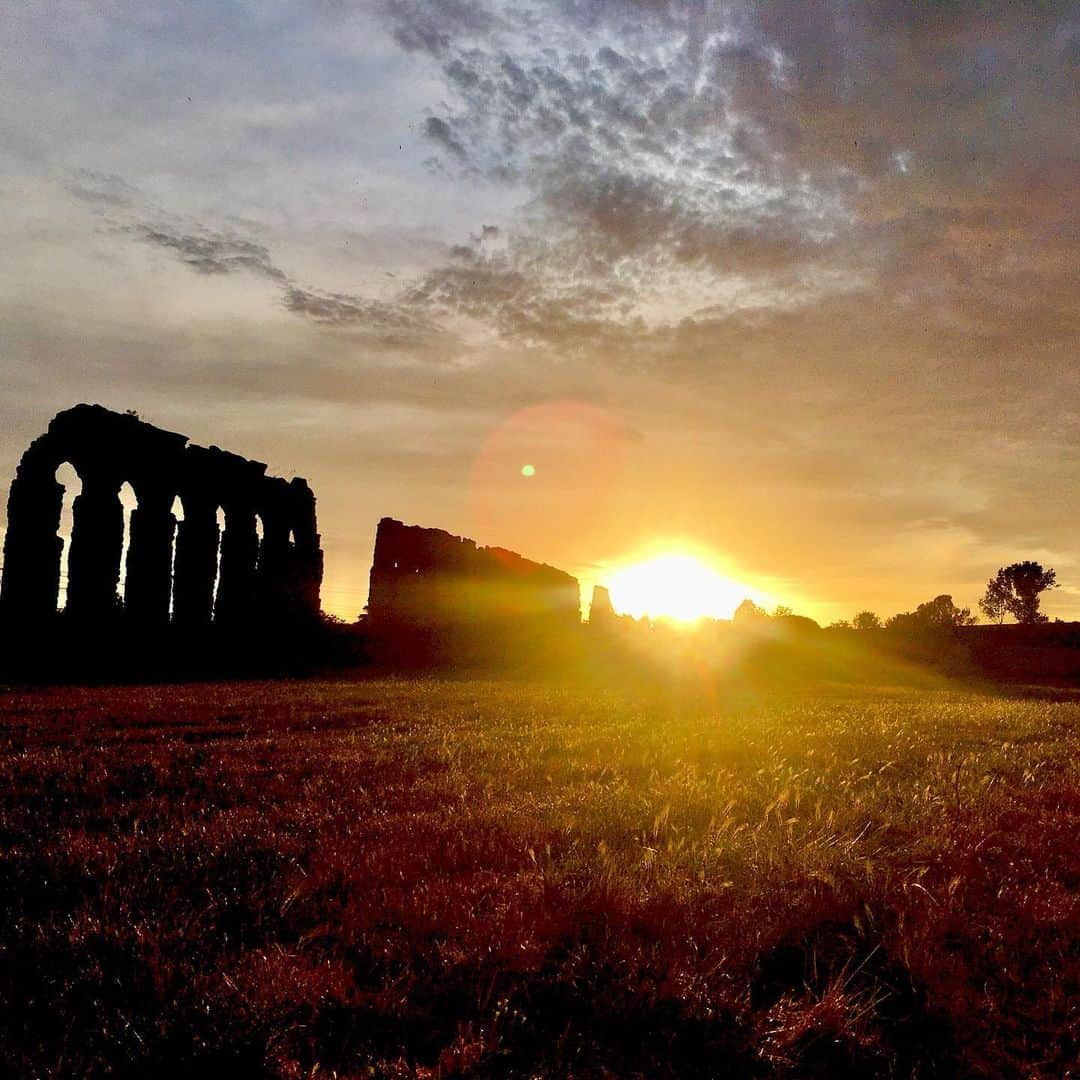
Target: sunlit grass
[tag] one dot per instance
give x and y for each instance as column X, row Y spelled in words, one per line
column 490, row 878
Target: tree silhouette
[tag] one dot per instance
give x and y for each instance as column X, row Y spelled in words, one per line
column 937, row 614
column 995, row 602
column 1015, row 590
column 866, row 620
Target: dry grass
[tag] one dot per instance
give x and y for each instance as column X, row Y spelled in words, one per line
column 439, row 879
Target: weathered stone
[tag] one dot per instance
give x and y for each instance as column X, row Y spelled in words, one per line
column 149, row 558
column 32, row 546
column 106, row 449
column 430, row 578
column 241, row 484
column 97, row 541
column 196, row 564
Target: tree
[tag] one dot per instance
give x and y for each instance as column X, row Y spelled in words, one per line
column 942, row 613
column 866, row 620
column 995, row 602
column 840, row 624
column 782, row 611
column 1015, row 589
column 937, row 614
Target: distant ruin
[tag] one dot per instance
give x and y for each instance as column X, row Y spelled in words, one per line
column 600, row 610
column 195, row 575
column 430, row 579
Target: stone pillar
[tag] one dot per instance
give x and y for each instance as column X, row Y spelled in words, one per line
column 239, row 556
column 272, row 584
column 32, row 546
column 311, row 570
column 149, row 559
column 600, row 610
column 196, row 564
column 97, row 541
column 306, row 554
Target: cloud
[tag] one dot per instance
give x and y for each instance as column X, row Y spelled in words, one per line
column 885, row 147
column 211, row 252
column 439, row 131
column 680, row 161
column 105, row 190
column 390, row 324
column 422, row 27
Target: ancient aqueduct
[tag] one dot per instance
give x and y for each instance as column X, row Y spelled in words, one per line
column 265, row 565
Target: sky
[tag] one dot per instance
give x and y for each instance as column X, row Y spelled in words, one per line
column 792, row 285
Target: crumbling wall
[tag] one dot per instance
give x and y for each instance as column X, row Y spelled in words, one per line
column 275, row 578
column 431, row 578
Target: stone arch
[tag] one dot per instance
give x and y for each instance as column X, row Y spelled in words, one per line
column 195, row 565
column 148, row 591
column 238, row 589
column 168, row 572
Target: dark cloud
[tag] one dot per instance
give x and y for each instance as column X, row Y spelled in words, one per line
column 424, row 27
column 439, row 131
column 205, row 250
column 390, row 324
column 210, row 252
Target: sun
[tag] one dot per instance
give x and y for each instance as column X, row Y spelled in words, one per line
column 675, row 585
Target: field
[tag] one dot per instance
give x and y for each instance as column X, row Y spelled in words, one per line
column 425, row 878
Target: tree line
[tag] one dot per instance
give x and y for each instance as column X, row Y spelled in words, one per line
column 1014, row 590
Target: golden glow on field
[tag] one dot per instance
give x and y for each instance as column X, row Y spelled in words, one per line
column 676, row 585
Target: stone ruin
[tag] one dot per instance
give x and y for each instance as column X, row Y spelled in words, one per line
column 601, row 612
column 170, row 573
column 428, row 578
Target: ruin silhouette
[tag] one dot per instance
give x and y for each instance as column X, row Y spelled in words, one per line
column 601, row 613
column 170, row 573
column 428, row 578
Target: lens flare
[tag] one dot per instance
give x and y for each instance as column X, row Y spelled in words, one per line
column 571, row 454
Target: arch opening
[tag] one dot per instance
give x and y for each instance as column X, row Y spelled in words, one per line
column 177, row 511
column 258, row 543
column 68, row 478
column 219, row 518
column 130, row 502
